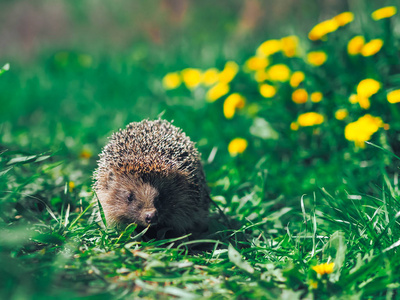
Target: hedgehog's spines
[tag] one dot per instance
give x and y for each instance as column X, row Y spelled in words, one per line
column 156, row 147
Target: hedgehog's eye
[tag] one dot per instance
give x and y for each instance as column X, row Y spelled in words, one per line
column 130, row 197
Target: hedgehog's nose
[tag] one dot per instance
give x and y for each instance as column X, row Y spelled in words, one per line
column 151, row 217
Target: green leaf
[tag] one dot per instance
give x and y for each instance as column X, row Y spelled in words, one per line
column 5, row 68
column 47, row 238
column 101, row 211
column 262, row 129
column 22, row 159
column 335, row 248
column 236, row 258
column 5, row 171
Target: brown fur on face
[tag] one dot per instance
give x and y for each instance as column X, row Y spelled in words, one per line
column 127, row 198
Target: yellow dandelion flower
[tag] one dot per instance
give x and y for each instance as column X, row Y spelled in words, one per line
column 233, row 102
column 368, row 87
column 364, row 102
column 269, row 47
column 236, row 146
column 217, row 91
column 191, row 77
column 313, row 284
column 300, row 96
column 279, row 72
column 316, row 58
column 393, row 96
column 229, row 72
column 171, row 81
column 355, row 45
column 210, row 77
column 267, row 91
column 353, row 99
column 256, row 63
column 71, row 186
column 344, row 18
column 310, row 119
column 384, row 12
column 341, row 114
column 322, row 29
column 361, row 130
column 289, row 45
column 316, row 97
column 323, row 269
column 294, row 126
column 261, row 75
column 85, row 154
column 372, row 47
column 296, row 79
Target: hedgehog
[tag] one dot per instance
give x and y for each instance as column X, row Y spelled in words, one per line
column 150, row 174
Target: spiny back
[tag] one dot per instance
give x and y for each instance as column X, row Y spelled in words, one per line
column 150, row 147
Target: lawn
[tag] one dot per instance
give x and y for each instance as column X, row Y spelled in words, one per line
column 299, row 136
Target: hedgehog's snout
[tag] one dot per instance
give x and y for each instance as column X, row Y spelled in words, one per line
column 151, row 216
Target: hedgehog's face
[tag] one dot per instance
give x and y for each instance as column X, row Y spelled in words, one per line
column 127, row 199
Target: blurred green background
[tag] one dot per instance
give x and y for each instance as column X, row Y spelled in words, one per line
column 82, row 69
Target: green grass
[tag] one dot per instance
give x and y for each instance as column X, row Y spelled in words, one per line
column 287, row 204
